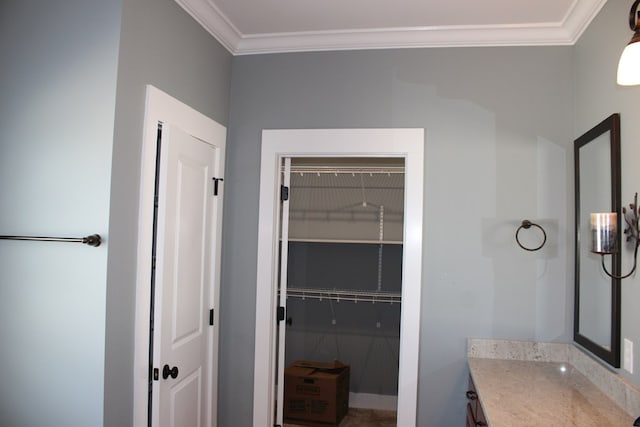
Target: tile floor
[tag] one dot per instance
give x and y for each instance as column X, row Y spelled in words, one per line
column 365, row 418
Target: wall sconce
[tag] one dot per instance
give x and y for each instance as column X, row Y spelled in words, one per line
column 629, row 64
column 604, row 233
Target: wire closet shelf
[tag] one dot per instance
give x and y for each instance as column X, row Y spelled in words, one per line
column 349, row 295
column 350, row 170
column 345, row 295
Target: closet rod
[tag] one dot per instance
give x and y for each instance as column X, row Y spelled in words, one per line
column 92, row 240
column 348, row 299
column 348, row 169
column 342, row 295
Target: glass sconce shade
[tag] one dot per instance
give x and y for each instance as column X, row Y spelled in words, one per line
column 629, row 64
column 604, row 232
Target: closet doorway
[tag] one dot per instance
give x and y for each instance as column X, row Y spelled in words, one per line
column 351, row 261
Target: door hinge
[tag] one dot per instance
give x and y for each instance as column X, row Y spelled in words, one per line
column 211, row 317
column 284, row 193
column 215, row 185
column 281, row 314
column 156, row 374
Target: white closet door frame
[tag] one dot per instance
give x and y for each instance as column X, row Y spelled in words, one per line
column 277, row 144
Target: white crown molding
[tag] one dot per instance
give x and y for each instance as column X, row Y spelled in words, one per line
column 207, row 14
column 580, row 15
column 566, row 32
column 396, row 38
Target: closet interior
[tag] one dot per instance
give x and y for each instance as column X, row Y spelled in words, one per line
column 344, row 267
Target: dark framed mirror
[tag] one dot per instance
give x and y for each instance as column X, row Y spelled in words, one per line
column 596, row 324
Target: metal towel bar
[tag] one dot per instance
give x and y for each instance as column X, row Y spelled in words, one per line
column 92, row 240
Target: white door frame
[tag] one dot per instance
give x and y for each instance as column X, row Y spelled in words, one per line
column 276, row 144
column 162, row 108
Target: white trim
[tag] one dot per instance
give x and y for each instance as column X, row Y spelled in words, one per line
column 373, row 401
column 565, row 32
column 207, row 14
column 405, row 143
column 161, row 107
column 402, row 38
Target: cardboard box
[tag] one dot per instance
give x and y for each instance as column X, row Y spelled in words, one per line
column 316, row 393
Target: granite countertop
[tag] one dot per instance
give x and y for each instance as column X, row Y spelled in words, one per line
column 532, row 393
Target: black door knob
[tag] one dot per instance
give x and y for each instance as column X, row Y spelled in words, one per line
column 167, row 371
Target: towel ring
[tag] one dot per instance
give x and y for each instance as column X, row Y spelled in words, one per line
column 526, row 224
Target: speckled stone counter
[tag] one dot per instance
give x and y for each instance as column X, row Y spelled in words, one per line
column 526, row 384
column 526, row 393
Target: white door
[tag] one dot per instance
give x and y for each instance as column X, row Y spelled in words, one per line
column 282, row 288
column 184, row 284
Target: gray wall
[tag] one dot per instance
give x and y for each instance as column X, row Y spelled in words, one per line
column 365, row 334
column 498, row 149
column 163, row 46
column 499, row 128
column 597, row 97
column 57, row 103
column 67, row 311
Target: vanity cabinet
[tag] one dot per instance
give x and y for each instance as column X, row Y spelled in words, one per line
column 475, row 414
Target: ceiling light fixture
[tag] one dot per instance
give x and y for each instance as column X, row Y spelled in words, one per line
column 629, row 65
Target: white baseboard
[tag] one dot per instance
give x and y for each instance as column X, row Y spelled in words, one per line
column 373, row 401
